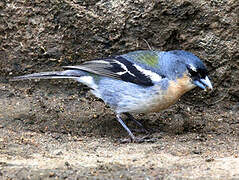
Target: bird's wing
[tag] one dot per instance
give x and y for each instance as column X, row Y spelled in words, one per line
column 119, row 67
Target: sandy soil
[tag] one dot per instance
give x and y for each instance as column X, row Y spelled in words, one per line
column 76, row 143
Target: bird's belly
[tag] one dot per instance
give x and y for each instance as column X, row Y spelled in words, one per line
column 156, row 103
column 162, row 102
column 146, row 103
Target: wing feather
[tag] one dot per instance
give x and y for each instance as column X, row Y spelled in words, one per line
column 119, row 67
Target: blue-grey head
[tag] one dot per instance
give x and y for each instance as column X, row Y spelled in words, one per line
column 195, row 68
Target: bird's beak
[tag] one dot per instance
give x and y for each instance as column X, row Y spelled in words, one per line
column 203, row 83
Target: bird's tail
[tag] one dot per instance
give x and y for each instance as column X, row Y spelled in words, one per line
column 50, row 75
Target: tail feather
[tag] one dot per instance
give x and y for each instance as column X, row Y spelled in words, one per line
column 80, row 76
column 50, row 75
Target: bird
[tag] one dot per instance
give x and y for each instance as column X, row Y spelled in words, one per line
column 141, row 81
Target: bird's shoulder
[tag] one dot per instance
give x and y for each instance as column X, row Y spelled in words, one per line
column 146, row 58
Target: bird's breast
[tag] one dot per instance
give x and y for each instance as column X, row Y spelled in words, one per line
column 165, row 98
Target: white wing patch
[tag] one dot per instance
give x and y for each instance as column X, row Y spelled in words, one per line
column 153, row 76
column 124, row 68
column 100, row 61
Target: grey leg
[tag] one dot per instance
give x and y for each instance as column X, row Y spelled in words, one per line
column 136, row 122
column 133, row 138
column 125, row 127
column 133, row 119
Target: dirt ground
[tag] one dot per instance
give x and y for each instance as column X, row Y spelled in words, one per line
column 55, row 129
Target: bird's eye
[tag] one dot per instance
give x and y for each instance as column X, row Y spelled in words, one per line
column 197, row 73
column 192, row 71
column 202, row 73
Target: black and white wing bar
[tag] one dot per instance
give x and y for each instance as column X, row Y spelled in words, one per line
column 120, row 68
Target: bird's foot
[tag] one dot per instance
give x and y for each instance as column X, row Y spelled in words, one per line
column 140, row 130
